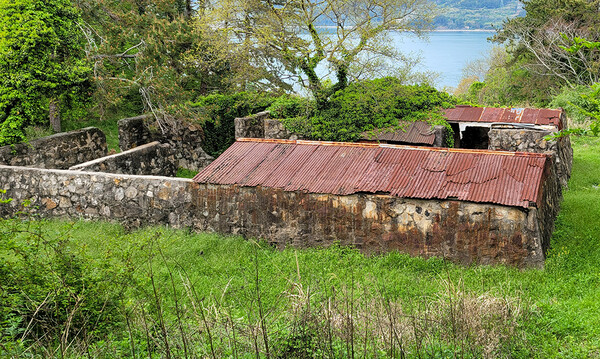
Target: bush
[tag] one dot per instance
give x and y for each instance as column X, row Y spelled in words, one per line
column 51, row 290
column 573, row 100
column 376, row 104
column 217, row 113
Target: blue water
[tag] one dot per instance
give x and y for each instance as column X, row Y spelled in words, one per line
column 446, row 53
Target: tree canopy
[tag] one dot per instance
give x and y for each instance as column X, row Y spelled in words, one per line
column 42, row 63
column 348, row 37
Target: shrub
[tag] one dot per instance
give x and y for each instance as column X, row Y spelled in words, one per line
column 578, row 102
column 51, row 290
column 217, row 113
column 376, row 104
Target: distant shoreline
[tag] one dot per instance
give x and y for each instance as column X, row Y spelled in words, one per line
column 434, row 30
column 459, row 30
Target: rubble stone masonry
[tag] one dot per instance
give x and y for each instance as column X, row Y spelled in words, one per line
column 460, row 231
column 61, row 150
column 522, row 140
column 152, row 159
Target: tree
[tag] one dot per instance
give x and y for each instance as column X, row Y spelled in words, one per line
column 42, row 62
column 353, row 45
column 541, row 40
column 150, row 56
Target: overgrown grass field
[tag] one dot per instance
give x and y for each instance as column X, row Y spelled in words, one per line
column 72, row 289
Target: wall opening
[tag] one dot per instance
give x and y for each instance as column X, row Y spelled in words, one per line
column 475, row 138
column 456, row 134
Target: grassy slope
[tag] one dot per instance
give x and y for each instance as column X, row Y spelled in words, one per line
column 562, row 302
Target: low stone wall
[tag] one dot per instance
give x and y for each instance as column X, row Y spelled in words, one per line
column 186, row 141
column 61, row 150
column 461, row 231
column 526, row 140
column 74, row 194
column 153, row 159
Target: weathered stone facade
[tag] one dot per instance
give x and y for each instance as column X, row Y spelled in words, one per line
column 252, row 126
column 134, row 132
column 186, row 141
column 96, row 195
column 532, row 140
column 275, row 129
column 61, row 150
column 481, row 233
column 152, row 159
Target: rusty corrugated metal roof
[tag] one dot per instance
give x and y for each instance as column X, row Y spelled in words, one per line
column 418, row 132
column 462, row 113
column 507, row 178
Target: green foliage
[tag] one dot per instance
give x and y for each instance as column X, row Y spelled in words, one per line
column 501, row 82
column 292, row 106
column 475, row 14
column 373, row 104
column 185, row 173
column 41, row 58
column 151, row 56
column 217, row 113
column 571, row 99
column 51, row 290
column 582, row 105
column 288, row 35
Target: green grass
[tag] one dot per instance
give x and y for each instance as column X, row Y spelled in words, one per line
column 473, row 311
column 185, row 173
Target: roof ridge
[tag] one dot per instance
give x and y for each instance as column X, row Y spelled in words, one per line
column 385, row 145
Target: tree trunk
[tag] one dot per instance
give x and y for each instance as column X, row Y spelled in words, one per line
column 54, row 115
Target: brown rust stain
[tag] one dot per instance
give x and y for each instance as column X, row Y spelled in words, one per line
column 306, row 220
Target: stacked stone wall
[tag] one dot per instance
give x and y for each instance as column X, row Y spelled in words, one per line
column 275, row 129
column 461, row 231
column 153, row 159
column 185, row 140
column 527, row 140
column 60, row 151
column 251, row 126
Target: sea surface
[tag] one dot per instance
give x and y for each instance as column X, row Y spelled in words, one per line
column 446, row 52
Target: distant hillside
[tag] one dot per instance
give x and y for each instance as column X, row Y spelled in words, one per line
column 475, row 14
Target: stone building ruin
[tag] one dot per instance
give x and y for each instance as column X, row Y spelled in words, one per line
column 492, row 205
column 507, row 129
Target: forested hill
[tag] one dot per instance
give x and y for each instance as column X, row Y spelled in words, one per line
column 475, row 14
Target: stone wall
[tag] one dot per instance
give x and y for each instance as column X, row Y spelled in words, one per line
column 529, row 140
column 186, row 140
column 74, row 194
column 252, row 126
column 548, row 204
column 61, row 150
column 461, row 231
column 152, row 159
column 134, row 132
column 276, row 130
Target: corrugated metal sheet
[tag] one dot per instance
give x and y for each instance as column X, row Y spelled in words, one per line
column 418, row 133
column 504, row 115
column 507, row 178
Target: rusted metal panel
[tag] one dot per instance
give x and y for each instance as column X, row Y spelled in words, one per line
column 543, row 117
column 488, row 114
column 507, row 178
column 418, row 132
